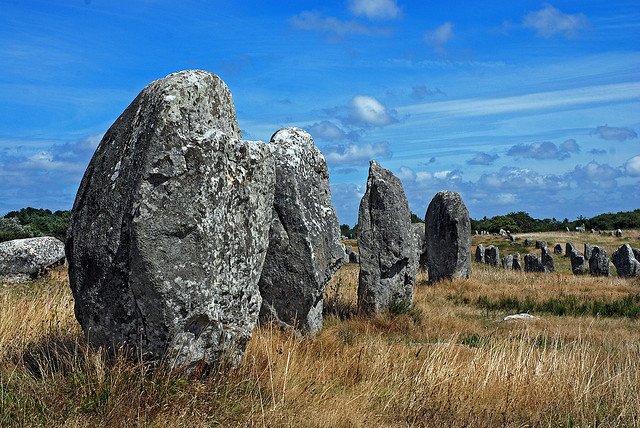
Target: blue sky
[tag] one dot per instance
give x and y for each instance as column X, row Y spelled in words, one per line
column 521, row 105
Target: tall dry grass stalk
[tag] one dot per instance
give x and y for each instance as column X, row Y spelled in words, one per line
column 442, row 363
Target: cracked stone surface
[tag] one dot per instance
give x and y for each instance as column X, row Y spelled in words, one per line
column 170, row 227
column 387, row 243
column 449, row 238
column 305, row 249
column 625, row 262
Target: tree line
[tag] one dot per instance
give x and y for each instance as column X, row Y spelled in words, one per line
column 30, row 222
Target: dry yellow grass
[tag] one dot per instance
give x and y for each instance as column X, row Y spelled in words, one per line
column 444, row 363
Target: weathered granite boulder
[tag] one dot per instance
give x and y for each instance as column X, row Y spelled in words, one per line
column 619, row 233
column 625, row 262
column 532, row 263
column 516, row 263
column 541, row 244
column 386, row 241
column 354, row 257
column 507, row 262
column 448, row 237
column 569, row 248
column 421, row 245
column 304, row 239
column 636, row 253
column 557, row 249
column 578, row 263
column 23, row 259
column 170, row 227
column 599, row 262
column 527, row 242
column 588, row 248
column 492, row 255
column 547, row 260
column 480, row 253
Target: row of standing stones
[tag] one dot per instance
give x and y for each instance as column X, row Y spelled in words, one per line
column 183, row 236
column 625, row 259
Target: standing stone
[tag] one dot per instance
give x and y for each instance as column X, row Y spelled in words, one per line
column 492, row 255
column 527, row 242
column 588, row 248
column 387, row 244
column 448, row 237
column 24, row 259
column 569, row 248
column 480, row 253
column 636, row 253
column 354, row 257
column 547, row 260
column 304, row 238
column 516, row 264
column 567, row 229
column 507, row 262
column 421, row 244
column 625, row 262
column 557, row 249
column 619, row 233
column 170, row 227
column 599, row 262
column 578, row 263
column 532, row 263
column 541, row 244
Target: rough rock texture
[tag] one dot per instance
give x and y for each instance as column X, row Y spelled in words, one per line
column 516, row 264
column 541, row 244
column 547, row 260
column 387, row 244
column 599, row 262
column 421, row 244
column 480, row 253
column 304, row 239
column 532, row 263
column 569, row 248
column 170, row 227
column 636, row 253
column 492, row 255
column 578, row 263
column 557, row 249
column 619, row 233
column 625, row 262
column 507, row 262
column 23, row 259
column 448, row 237
column 527, row 242
column 588, row 248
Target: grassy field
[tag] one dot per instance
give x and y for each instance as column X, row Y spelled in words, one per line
column 449, row 361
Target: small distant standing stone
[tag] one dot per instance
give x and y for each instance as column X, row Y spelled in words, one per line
column 516, row 265
column 568, row 249
column 480, row 253
column 541, row 244
column 619, row 233
column 625, row 262
column 421, row 244
column 557, row 249
column 492, row 255
column 23, row 259
column 448, row 237
column 599, row 262
column 547, row 260
column 507, row 262
column 588, row 248
column 532, row 263
column 578, row 263
column 527, row 242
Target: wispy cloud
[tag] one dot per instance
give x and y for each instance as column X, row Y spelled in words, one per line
column 482, row 159
column 356, row 153
column 420, row 92
column 550, row 21
column 375, row 9
column 612, row 133
column 632, row 166
column 368, row 111
column 315, row 21
column 439, row 37
column 544, row 150
column 536, row 101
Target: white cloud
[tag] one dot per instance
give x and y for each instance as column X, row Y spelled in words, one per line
column 375, row 9
column 595, row 174
column 506, row 198
column 536, row 101
column 369, row 111
column 314, row 21
column 355, row 153
column 326, row 130
column 632, row 166
column 406, row 173
column 440, row 36
column 550, row 21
